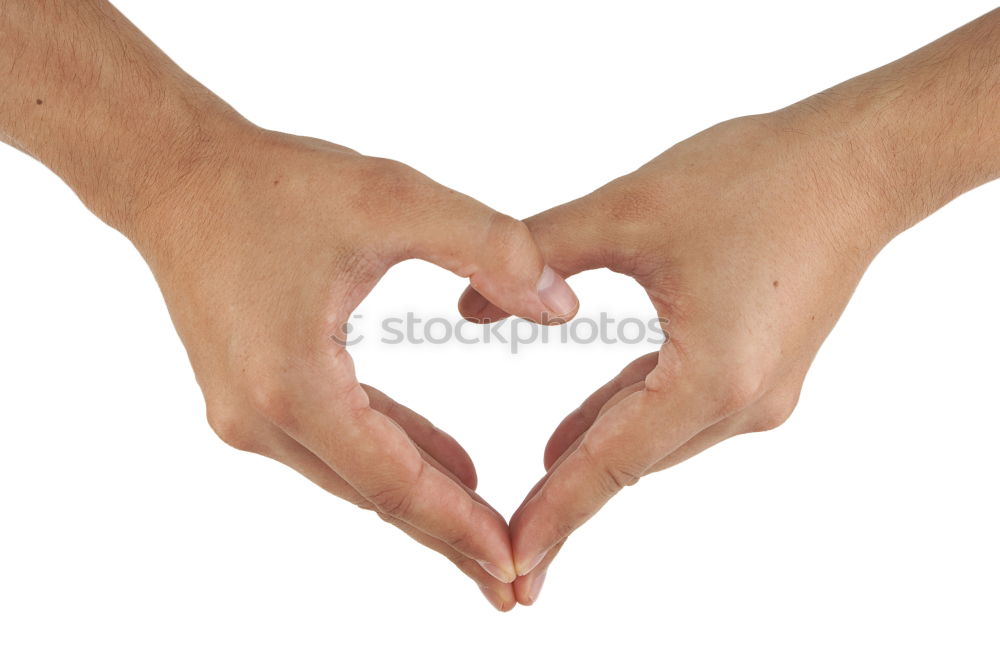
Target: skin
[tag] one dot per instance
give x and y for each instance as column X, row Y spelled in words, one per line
column 750, row 238
column 263, row 243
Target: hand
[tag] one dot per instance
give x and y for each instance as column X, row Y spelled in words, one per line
column 749, row 238
column 263, row 250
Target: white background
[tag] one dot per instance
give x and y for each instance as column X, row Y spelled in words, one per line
column 865, row 530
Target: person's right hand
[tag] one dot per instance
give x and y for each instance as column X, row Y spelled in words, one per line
column 262, row 251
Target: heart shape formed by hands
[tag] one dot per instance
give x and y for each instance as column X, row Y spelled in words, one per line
column 749, row 238
column 266, row 249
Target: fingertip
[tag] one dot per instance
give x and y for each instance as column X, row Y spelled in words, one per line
column 558, row 298
column 554, row 302
column 502, row 574
column 476, row 308
column 524, row 554
column 536, row 534
column 528, row 563
column 491, row 547
column 528, row 588
column 498, row 599
column 521, row 590
column 469, row 477
column 471, row 304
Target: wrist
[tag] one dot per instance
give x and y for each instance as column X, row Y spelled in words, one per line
column 88, row 95
column 827, row 146
column 897, row 169
column 185, row 137
column 920, row 131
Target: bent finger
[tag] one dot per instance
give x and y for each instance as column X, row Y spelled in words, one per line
column 571, row 238
column 427, row 436
column 618, row 449
column 496, row 252
column 297, row 457
column 333, row 418
column 580, row 419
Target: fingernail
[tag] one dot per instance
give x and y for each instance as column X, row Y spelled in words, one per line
column 532, row 563
column 536, row 585
column 556, row 294
column 498, row 573
column 492, row 597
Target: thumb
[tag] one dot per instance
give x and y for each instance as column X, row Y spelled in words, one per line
column 569, row 238
column 496, row 252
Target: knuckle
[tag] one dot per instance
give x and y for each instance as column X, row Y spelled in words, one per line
column 272, row 401
column 392, row 501
column 660, row 378
column 612, row 475
column 469, row 567
column 738, row 390
column 384, row 517
column 631, row 204
column 386, row 186
column 561, row 516
column 738, row 385
column 460, row 540
column 617, row 477
column 774, row 412
column 509, row 248
column 230, row 426
column 507, row 238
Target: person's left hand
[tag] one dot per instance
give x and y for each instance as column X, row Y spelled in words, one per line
column 749, row 238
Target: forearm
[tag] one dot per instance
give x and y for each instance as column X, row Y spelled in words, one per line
column 922, row 130
column 92, row 98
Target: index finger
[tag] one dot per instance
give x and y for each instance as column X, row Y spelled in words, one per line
column 621, row 446
column 329, row 414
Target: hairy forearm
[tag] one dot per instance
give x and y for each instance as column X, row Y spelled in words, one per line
column 87, row 94
column 926, row 127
